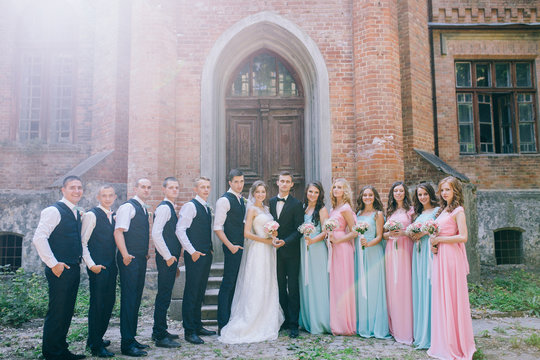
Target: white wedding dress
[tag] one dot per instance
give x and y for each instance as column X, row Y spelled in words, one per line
column 255, row 314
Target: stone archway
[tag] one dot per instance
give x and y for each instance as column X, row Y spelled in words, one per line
column 271, row 31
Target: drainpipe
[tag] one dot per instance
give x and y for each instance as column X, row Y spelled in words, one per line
column 433, row 81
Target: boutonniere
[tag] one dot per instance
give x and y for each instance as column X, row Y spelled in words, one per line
column 211, row 210
column 148, row 207
column 244, row 200
column 80, row 210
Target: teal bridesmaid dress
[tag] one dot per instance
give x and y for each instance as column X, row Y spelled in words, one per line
column 314, row 288
column 371, row 285
column 421, row 286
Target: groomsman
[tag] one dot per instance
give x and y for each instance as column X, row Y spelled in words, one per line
column 132, row 235
column 194, row 230
column 58, row 243
column 229, row 228
column 167, row 253
column 289, row 214
column 99, row 250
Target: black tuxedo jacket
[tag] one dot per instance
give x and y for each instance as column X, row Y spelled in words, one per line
column 291, row 217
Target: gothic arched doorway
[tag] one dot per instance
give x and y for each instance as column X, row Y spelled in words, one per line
column 265, row 121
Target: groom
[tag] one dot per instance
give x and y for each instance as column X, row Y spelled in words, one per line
column 289, row 214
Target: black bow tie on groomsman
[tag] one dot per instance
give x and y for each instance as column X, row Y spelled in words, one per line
column 281, row 199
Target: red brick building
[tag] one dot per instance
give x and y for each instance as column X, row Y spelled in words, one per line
column 365, row 90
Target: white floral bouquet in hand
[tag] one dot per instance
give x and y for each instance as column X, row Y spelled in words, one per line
column 393, row 225
column 306, row 229
column 361, row 227
column 414, row 228
column 270, row 228
column 331, row 224
column 431, row 227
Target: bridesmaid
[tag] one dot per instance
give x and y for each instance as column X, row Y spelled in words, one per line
column 425, row 208
column 451, row 325
column 371, row 292
column 314, row 288
column 342, row 299
column 398, row 265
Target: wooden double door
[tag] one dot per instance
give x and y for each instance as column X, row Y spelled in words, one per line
column 265, row 137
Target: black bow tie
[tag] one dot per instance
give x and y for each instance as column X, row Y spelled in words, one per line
column 281, row 199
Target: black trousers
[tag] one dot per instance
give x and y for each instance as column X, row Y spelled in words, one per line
column 288, row 269
column 62, row 295
column 102, row 299
column 131, row 288
column 166, row 277
column 196, row 281
column 228, row 284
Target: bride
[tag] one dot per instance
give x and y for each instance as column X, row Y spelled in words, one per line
column 255, row 313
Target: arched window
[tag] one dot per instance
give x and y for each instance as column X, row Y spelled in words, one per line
column 508, row 247
column 10, row 251
column 265, row 74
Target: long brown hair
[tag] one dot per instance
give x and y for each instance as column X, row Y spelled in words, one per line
column 377, row 203
column 316, row 218
column 392, row 203
column 457, row 199
column 418, row 207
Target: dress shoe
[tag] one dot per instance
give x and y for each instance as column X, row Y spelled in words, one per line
column 102, row 353
column 138, row 345
column 194, row 339
column 106, row 343
column 167, row 334
column 219, row 331
column 167, row 343
column 134, row 351
column 293, row 333
column 71, row 356
column 205, row 332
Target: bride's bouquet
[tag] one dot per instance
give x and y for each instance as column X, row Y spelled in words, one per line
column 361, row 227
column 270, row 228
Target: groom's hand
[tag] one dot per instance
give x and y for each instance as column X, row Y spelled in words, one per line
column 234, row 248
column 196, row 255
column 278, row 243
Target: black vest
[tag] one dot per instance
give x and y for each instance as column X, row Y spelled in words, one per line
column 101, row 243
column 200, row 231
column 138, row 235
column 65, row 240
column 234, row 223
column 169, row 232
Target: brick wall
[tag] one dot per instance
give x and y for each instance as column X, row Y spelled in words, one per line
column 492, row 11
column 502, row 171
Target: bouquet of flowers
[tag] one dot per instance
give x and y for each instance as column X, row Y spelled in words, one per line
column 270, row 227
column 431, row 227
column 331, row 224
column 306, row 228
column 393, row 225
column 414, row 228
column 361, row 227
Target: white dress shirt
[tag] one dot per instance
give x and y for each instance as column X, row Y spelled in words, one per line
column 222, row 207
column 87, row 227
column 48, row 221
column 126, row 212
column 279, row 205
column 163, row 214
column 187, row 214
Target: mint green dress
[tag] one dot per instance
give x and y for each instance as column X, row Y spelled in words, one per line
column 421, row 286
column 314, row 288
column 370, row 285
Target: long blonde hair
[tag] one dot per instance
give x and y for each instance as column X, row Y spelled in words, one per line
column 347, row 192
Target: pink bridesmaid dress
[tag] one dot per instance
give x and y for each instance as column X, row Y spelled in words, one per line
column 342, row 293
column 399, row 281
column 451, row 325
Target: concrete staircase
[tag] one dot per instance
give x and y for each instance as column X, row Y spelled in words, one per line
column 209, row 307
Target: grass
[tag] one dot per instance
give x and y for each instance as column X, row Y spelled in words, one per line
column 509, row 291
column 533, row 340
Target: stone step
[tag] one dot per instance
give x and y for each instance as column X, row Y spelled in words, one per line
column 209, row 312
column 214, row 282
column 211, row 297
column 216, row 270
